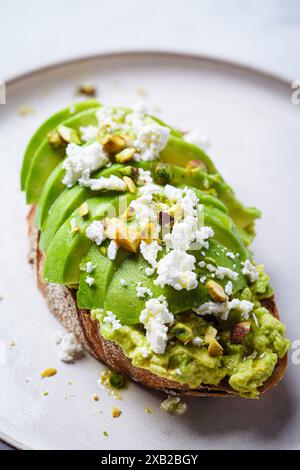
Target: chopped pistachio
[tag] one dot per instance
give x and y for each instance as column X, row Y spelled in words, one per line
column 45, row 394
column 163, row 173
column 210, row 334
column 239, row 332
column 182, row 332
column 195, row 165
column 95, row 397
column 173, row 405
column 125, row 155
column 214, row 348
column 105, row 433
column 87, row 89
column 55, row 140
column 216, row 291
column 48, row 372
column 117, row 381
column 130, row 171
column 68, row 134
column 148, row 410
column 75, row 229
column 103, row 250
column 83, row 209
column 130, row 184
column 116, row 412
column 128, row 237
column 113, row 144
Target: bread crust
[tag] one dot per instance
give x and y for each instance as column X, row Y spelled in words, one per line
column 61, row 301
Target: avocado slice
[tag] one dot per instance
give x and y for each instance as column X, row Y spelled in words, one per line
column 67, row 248
column 46, row 158
column 104, row 268
column 47, row 126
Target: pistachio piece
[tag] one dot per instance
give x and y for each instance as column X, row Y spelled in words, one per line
column 68, row 135
column 87, row 89
column 130, row 171
column 195, row 165
column 214, row 348
column 113, row 144
column 83, row 209
column 125, row 155
column 210, row 334
column 130, row 184
column 103, row 250
column 163, row 173
column 239, row 332
column 48, row 372
column 128, row 238
column 182, row 332
column 115, row 412
column 55, row 140
column 216, row 291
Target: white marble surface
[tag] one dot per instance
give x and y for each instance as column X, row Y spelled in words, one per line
column 263, row 34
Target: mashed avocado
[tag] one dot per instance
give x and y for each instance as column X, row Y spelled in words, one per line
column 246, row 366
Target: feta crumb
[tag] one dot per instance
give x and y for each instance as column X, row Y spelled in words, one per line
column 89, row 267
column 143, row 291
column 89, row 280
column 81, row 159
column 69, row 348
column 231, row 255
column 202, row 279
column 228, row 288
column 155, row 317
column 176, row 269
column 250, row 271
column 149, row 271
column 150, row 251
column 112, row 320
column 144, row 177
column 112, row 250
column 221, row 310
column 112, row 183
column 88, row 133
column 95, row 232
column 123, row 282
column 178, row 371
column 197, row 341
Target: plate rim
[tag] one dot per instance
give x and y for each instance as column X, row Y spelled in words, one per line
column 151, row 53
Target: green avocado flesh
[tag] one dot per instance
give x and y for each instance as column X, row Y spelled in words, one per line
column 197, row 321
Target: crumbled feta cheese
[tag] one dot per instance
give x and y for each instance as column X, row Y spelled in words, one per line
column 112, row 250
column 123, row 282
column 149, row 271
column 150, row 140
column 202, row 235
column 150, row 251
column 176, row 269
column 202, row 279
column 250, row 271
column 196, row 138
column 88, row 133
column 144, row 351
column 182, row 235
column 89, row 280
column 69, row 348
column 88, row 159
column 228, row 288
column 95, row 232
column 222, row 309
column 231, row 255
column 197, row 341
column 178, row 371
column 89, row 267
column 111, row 319
column 220, row 271
column 144, row 177
column 143, row 291
column 155, row 317
column 112, row 183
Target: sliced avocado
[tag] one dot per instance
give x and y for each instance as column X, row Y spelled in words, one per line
column 132, row 270
column 46, row 127
column 51, row 191
column 46, row 158
column 66, row 203
column 104, row 268
column 68, row 247
column 179, row 152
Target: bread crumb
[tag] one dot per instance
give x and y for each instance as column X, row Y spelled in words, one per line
column 48, row 372
column 45, row 394
column 87, row 89
column 25, row 110
column 11, row 344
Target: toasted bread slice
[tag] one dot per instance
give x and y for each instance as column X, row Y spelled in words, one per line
column 61, row 301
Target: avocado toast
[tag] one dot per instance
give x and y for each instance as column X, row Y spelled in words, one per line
column 142, row 251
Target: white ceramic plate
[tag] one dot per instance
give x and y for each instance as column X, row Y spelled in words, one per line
column 254, row 130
